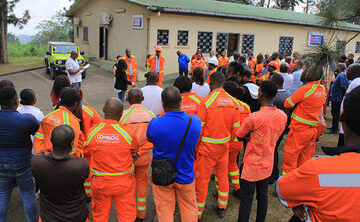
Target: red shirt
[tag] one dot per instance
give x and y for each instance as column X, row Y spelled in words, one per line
column 265, row 128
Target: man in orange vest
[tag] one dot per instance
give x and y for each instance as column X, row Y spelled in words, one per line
column 275, row 57
column 271, row 67
column 300, row 142
column 190, row 101
column 112, row 148
column 156, row 63
column 327, row 188
column 258, row 69
column 131, row 70
column 219, row 115
column 69, row 104
column 251, row 61
column 223, row 59
column 137, row 119
column 213, row 63
column 198, row 62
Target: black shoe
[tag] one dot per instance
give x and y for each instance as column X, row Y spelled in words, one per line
column 139, row 220
column 215, row 194
column 236, row 193
column 219, row 212
column 331, row 131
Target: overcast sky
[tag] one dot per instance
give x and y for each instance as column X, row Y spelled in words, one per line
column 39, row 10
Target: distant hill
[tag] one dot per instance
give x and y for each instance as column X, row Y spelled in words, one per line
column 24, row 38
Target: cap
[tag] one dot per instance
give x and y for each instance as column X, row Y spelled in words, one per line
column 158, row 49
column 274, row 64
column 213, row 61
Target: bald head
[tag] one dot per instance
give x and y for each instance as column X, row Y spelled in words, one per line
column 152, row 78
column 171, row 99
column 353, row 71
column 74, row 54
column 113, row 109
column 62, row 138
column 135, row 96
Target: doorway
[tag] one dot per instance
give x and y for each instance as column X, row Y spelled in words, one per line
column 228, row 42
column 103, row 38
column 233, row 44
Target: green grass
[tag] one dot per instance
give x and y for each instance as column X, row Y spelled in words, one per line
column 21, row 63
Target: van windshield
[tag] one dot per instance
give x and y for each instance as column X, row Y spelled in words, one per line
column 64, row 49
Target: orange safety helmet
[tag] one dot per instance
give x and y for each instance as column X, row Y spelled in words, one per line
column 158, row 49
column 274, row 64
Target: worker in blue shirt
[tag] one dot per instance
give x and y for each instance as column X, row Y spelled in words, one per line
column 166, row 133
column 183, row 63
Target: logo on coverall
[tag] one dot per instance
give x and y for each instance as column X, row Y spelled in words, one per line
column 107, row 138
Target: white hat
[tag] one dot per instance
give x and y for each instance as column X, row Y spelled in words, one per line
column 213, row 61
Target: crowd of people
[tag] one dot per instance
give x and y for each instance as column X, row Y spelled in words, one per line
column 188, row 133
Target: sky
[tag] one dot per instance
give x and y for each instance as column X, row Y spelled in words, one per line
column 39, row 10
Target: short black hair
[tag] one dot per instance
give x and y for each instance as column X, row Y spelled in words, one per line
column 7, row 96
column 217, row 77
column 118, row 56
column 62, row 136
column 242, row 58
column 277, row 79
column 121, row 65
column 69, row 96
column 233, row 64
column 284, row 67
column 183, row 83
column 247, row 73
column 6, row 82
column 232, row 88
column 342, row 58
column 236, row 55
column 27, row 97
column 269, row 89
column 351, row 114
column 171, row 97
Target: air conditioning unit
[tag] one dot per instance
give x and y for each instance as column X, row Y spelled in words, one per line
column 106, row 19
column 77, row 21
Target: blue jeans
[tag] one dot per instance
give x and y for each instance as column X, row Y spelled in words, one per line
column 122, row 95
column 22, row 175
column 76, row 84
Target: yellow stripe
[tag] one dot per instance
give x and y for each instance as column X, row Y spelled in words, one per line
column 223, row 194
column 212, row 140
column 211, row 99
column 290, row 102
column 149, row 112
column 126, row 136
column 311, row 91
column 98, row 173
column 66, row 118
column 234, row 173
column 200, row 204
column 235, row 181
column 86, row 109
column 237, row 124
column 203, row 124
column 87, row 190
column 302, row 120
column 244, row 104
column 124, row 117
column 39, row 135
column 141, row 208
column 222, row 202
column 141, row 199
column 87, row 184
column 92, row 134
column 195, row 99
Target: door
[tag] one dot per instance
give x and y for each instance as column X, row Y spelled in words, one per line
column 233, row 44
column 103, row 42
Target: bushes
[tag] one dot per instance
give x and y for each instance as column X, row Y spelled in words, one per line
column 26, row 50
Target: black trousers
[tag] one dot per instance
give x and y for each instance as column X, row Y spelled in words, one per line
column 247, row 192
column 335, row 112
column 275, row 173
column 183, row 72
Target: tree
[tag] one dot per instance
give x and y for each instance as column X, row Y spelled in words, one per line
column 58, row 28
column 287, row 4
column 11, row 38
column 7, row 16
column 246, row 2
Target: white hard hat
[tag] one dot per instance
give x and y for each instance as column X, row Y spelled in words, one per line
column 213, row 61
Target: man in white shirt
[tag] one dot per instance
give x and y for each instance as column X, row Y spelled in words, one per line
column 211, row 56
column 288, row 79
column 74, row 70
column 152, row 94
column 232, row 59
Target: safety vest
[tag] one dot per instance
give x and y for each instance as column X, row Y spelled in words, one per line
column 223, row 61
column 90, row 117
column 252, row 63
column 195, row 64
column 151, row 64
column 209, row 74
column 133, row 64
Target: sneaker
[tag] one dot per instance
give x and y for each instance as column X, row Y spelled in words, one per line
column 236, row 193
column 215, row 194
column 219, row 212
column 331, row 131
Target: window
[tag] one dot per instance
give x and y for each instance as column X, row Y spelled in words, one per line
column 205, row 41
column 85, row 34
column 286, row 44
column 222, row 40
column 247, row 43
column 340, row 47
column 77, row 31
column 357, row 47
column 162, row 37
column 183, row 38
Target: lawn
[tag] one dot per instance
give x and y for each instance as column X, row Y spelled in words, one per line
column 276, row 211
column 21, row 63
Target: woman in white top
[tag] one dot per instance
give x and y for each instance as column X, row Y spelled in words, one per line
column 199, row 86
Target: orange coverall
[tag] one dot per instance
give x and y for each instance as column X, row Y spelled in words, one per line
column 208, row 77
column 252, row 63
column 190, row 103
column 300, row 142
column 132, row 77
column 137, row 119
column 219, row 115
column 195, row 63
column 151, row 66
column 110, row 146
column 328, row 186
column 223, row 61
column 258, row 70
column 90, row 118
column 61, row 116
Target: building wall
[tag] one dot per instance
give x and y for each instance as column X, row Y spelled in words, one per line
column 120, row 34
column 266, row 35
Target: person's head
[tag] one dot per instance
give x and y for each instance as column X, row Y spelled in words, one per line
column 348, row 62
column 148, row 56
column 128, row 52
column 118, row 57
column 267, row 92
column 236, row 56
column 60, row 82
column 121, row 65
column 70, row 99
column 275, row 56
column 135, row 96
column 272, row 66
column 242, row 59
column 8, row 98
column 351, row 56
column 288, row 59
column 197, row 76
column 296, row 55
column 250, row 54
column 27, row 97
column 183, row 83
column 266, row 62
column 113, row 109
column 298, row 64
column 232, row 88
column 74, row 54
column 341, row 67
column 267, row 56
column 259, row 58
column 198, row 51
column 223, row 53
column 245, row 76
column 278, row 80
column 152, row 78
column 179, row 53
column 231, row 70
column 211, row 53
column 171, row 99
column 198, row 56
column 158, row 51
column 353, row 71
column 213, row 63
column 217, row 80
column 311, row 73
column 284, row 67
column 342, row 58
column 281, row 55
column 350, row 118
column 6, row 82
column 62, row 139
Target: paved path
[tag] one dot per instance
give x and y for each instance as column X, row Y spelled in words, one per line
column 97, row 87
